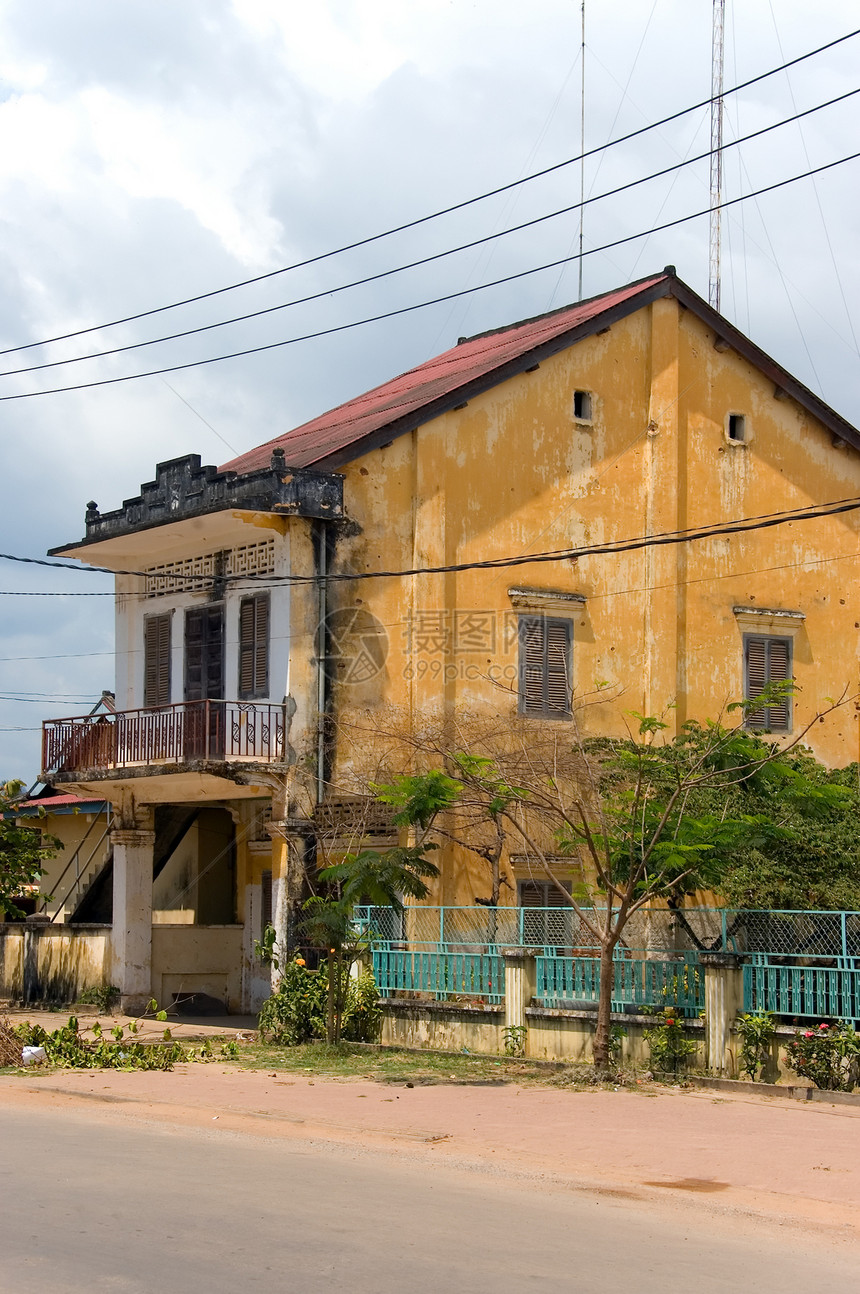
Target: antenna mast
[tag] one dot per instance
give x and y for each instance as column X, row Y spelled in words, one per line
column 582, row 150
column 716, row 149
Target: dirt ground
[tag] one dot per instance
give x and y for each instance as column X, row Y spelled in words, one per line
column 789, row 1163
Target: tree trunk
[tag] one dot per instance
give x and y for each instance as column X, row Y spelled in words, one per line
column 603, row 1025
column 330, row 1002
column 339, row 997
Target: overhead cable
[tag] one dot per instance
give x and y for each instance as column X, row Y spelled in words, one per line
column 425, row 260
column 739, row 526
column 435, row 215
column 423, row 305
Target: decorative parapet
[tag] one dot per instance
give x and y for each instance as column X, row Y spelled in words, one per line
column 184, row 488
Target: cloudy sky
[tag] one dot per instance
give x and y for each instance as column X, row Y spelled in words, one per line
column 155, row 150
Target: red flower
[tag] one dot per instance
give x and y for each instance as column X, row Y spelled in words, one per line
column 824, row 1026
column 809, row 1034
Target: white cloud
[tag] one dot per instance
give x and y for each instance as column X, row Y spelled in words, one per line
column 151, row 151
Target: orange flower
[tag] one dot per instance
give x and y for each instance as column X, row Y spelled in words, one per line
column 300, row 961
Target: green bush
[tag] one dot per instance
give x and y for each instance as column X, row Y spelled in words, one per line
column 757, row 1032
column 829, row 1055
column 296, row 1012
column 669, row 1043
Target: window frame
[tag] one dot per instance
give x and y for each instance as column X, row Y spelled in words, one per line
column 787, row 643
column 546, row 711
column 586, row 399
column 259, row 688
column 162, row 664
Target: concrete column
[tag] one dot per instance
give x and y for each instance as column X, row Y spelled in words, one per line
column 520, row 983
column 132, row 916
column 724, row 999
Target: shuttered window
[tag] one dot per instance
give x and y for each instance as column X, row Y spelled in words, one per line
column 767, row 660
column 156, row 660
column 254, row 647
column 549, row 928
column 544, row 667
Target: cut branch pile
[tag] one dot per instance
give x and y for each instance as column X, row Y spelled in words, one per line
column 10, row 1046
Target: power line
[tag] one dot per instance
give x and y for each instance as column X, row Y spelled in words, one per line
column 74, row 655
column 444, row 211
column 422, row 305
column 426, row 260
column 739, row 526
column 64, row 566
column 32, row 700
column 34, row 593
column 680, row 537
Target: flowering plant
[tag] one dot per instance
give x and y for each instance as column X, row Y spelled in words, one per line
column 828, row 1055
column 757, row 1031
column 670, row 1047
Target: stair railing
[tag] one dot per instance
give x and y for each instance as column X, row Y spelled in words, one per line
column 75, row 861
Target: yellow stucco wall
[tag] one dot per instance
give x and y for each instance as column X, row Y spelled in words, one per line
column 515, row 472
column 63, row 961
column 197, row 959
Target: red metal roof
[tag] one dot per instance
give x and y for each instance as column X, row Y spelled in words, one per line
column 49, row 802
column 346, row 427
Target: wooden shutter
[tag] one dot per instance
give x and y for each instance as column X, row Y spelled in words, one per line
column 768, row 660
column 531, row 665
column 204, row 653
column 778, row 671
column 254, row 646
column 557, row 669
column 156, row 660
column 543, row 927
column 545, row 652
column 756, row 679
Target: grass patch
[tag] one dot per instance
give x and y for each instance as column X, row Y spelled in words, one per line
column 390, row 1065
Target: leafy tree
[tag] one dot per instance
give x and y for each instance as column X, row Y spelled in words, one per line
column 384, row 878
column 465, row 804
column 646, row 817
column 23, row 850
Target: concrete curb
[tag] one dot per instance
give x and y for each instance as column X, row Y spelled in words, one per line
column 788, row 1091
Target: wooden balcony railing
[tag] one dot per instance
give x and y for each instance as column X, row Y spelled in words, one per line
column 175, row 734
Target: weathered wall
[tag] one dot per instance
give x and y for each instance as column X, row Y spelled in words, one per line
column 197, row 959
column 436, row 1025
column 197, row 539
column 44, row 963
column 551, row 1035
column 515, row 471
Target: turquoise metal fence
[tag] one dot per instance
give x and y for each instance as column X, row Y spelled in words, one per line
column 801, row 964
column 803, row 992
column 572, row 981
column 444, row 974
column 563, row 930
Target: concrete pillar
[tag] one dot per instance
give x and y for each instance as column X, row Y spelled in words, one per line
column 520, row 983
column 724, row 1000
column 132, row 916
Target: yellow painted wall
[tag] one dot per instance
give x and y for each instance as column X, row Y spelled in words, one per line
column 197, row 959
column 71, row 829
column 65, row 961
column 514, row 472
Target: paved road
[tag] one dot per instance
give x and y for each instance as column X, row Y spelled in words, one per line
column 92, row 1204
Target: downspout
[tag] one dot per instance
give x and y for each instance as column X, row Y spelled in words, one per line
column 322, row 611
